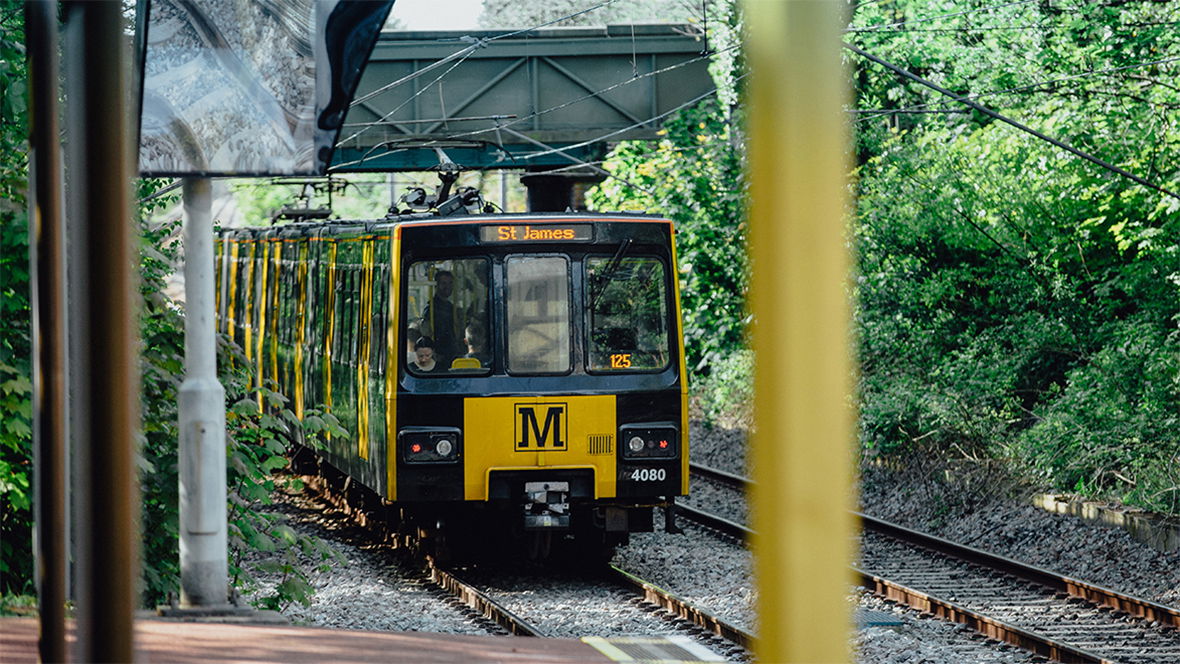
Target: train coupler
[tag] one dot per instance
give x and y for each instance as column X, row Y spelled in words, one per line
column 547, row 505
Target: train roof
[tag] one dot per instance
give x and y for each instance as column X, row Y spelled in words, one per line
column 426, row 219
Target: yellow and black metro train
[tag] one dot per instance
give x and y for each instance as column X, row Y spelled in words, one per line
column 497, row 374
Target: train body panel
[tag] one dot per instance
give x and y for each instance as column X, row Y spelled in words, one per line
column 549, row 372
column 507, row 435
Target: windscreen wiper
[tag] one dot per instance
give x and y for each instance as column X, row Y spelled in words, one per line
column 601, row 281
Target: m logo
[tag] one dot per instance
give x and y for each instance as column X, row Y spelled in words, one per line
column 541, row 426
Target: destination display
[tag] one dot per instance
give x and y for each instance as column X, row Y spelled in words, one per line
column 527, row 233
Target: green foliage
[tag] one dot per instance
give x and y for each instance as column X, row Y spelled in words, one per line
column 16, row 436
column 161, row 372
column 258, row 443
column 725, row 397
column 1015, row 301
column 693, row 175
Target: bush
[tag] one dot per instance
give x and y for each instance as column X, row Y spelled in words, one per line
column 725, row 396
column 1113, row 427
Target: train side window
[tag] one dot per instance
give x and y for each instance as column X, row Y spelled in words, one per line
column 447, row 304
column 628, row 305
column 538, row 306
column 380, row 312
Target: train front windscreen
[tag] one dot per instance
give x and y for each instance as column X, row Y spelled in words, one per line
column 535, row 314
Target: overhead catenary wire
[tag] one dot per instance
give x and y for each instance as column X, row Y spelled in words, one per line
column 603, row 137
column 462, row 54
column 1005, row 119
column 417, row 143
column 1030, row 86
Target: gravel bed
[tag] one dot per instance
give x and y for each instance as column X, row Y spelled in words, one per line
column 712, row 573
column 568, row 605
column 721, row 448
column 365, row 587
column 722, row 500
column 971, row 514
column 369, row 589
column 972, row 511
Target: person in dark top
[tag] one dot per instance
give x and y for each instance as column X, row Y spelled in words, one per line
column 439, row 319
column 477, row 344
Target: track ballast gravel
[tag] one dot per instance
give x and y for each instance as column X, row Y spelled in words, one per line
column 373, row 590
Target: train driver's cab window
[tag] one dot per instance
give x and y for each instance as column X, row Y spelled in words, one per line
column 447, row 317
column 628, row 305
column 538, row 307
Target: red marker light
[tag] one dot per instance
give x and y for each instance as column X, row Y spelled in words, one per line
column 663, row 444
column 415, row 448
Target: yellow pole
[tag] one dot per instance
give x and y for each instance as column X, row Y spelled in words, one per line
column 800, row 300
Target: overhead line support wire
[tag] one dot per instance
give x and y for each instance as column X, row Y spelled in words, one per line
column 462, row 54
column 616, row 132
column 1038, row 84
column 1005, row 119
column 563, row 153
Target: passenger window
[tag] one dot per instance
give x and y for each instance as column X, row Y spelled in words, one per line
column 538, row 304
column 628, row 304
column 447, row 317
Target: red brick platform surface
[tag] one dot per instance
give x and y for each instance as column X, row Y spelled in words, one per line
column 188, row 642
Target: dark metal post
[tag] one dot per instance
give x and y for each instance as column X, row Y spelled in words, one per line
column 98, row 76
column 47, row 267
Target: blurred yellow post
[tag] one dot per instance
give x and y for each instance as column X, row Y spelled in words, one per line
column 800, row 299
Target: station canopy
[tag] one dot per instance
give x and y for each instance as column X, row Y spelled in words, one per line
column 250, row 87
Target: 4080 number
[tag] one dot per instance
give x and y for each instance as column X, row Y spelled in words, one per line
column 649, row 475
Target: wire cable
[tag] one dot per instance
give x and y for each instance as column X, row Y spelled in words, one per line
column 1030, row 86
column 636, row 125
column 461, row 55
column 1003, row 118
column 418, row 143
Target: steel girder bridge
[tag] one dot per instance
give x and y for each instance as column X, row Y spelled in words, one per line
column 531, row 100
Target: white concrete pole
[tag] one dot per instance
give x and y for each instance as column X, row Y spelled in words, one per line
column 203, row 558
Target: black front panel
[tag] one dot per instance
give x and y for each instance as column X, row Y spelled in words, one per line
column 434, row 481
column 649, row 478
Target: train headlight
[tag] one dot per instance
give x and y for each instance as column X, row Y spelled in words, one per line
column 636, row 444
column 430, row 444
column 650, row 441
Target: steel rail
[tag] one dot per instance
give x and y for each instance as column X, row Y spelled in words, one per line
column 1097, row 595
column 709, row 520
column 466, row 593
column 489, row 608
column 1135, row 606
column 683, row 609
column 989, row 627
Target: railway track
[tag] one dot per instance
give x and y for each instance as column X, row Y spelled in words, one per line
column 635, row 597
column 1049, row 614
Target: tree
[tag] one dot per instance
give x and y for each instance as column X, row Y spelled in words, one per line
column 1015, row 301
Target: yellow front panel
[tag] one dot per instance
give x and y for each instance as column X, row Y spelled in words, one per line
column 514, row 433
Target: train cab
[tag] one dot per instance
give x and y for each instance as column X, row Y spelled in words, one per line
column 542, row 372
